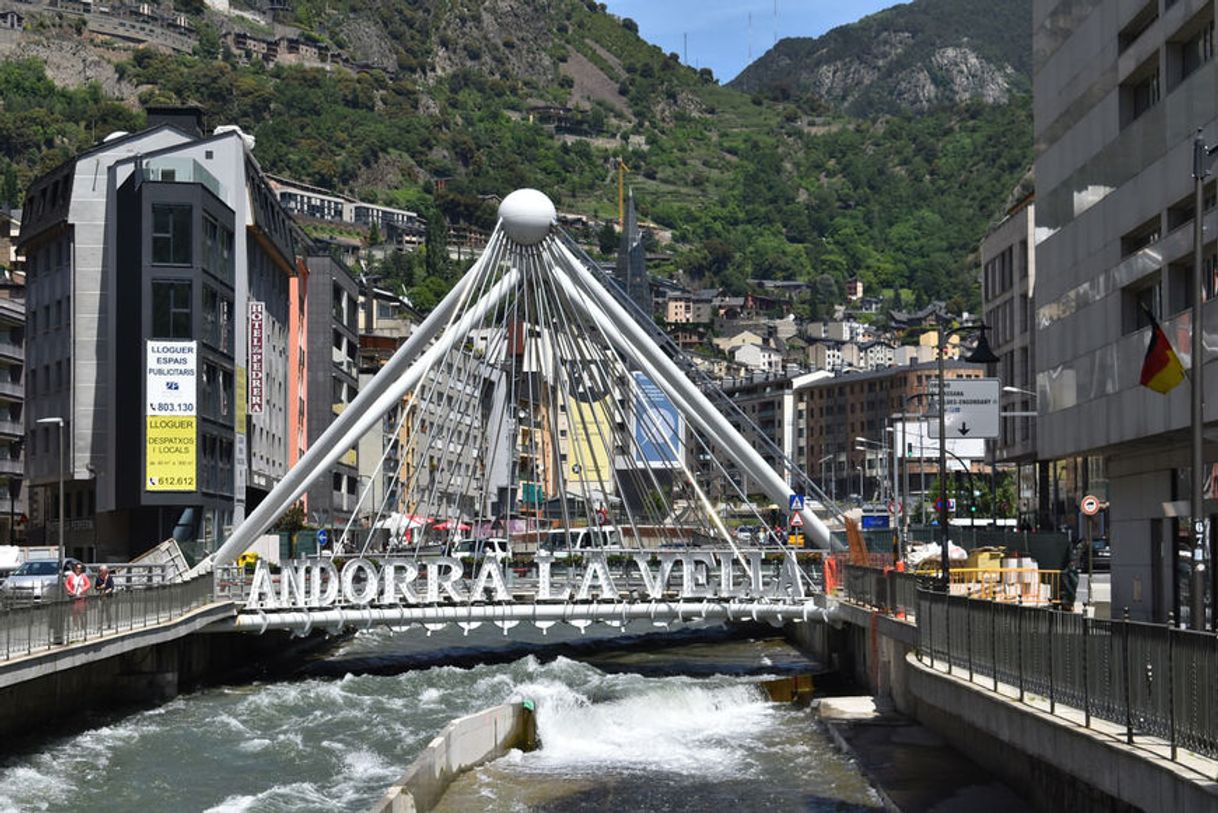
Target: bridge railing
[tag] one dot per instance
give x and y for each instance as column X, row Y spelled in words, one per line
column 1154, row 680
column 44, row 625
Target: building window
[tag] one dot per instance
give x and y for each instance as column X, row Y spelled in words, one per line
column 1140, row 91
column 171, row 234
column 1190, row 48
column 171, row 309
column 1140, row 299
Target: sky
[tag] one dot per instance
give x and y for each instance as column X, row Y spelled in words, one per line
column 719, row 29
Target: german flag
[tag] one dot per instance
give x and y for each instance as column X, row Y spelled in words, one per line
column 1161, row 369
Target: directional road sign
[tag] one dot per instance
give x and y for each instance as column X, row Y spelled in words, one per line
column 322, row 537
column 971, row 408
column 797, row 502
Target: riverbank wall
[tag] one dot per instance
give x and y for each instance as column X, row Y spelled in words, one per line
column 463, row 744
column 1057, row 763
column 52, row 692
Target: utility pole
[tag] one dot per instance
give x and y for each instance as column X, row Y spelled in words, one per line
column 1202, row 158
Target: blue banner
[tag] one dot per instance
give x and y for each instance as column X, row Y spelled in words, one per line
column 658, row 427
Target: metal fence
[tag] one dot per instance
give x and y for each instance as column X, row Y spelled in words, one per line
column 886, row 590
column 44, row 625
column 1151, row 679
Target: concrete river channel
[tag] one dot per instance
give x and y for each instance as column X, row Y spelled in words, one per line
column 632, row 726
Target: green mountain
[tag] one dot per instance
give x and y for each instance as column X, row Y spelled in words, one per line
column 458, row 99
column 915, row 56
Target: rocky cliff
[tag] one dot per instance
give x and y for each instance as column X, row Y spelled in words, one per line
column 913, row 57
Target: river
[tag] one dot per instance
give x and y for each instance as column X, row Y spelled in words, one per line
column 677, row 728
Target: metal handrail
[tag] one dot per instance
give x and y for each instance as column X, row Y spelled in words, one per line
column 46, row 625
column 1154, row 680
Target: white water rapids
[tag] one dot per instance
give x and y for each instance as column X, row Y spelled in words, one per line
column 322, row 744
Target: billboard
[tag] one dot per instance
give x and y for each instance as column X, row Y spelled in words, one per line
column 170, row 381
column 658, row 428
column 171, row 428
column 170, row 448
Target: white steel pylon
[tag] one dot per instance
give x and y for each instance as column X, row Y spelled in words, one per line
column 530, row 368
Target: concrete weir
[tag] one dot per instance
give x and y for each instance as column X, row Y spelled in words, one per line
column 463, row 744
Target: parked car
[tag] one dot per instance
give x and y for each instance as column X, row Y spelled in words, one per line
column 1102, row 553
column 748, row 533
column 33, row 580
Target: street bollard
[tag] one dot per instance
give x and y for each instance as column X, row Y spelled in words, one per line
column 1125, row 671
column 1171, row 682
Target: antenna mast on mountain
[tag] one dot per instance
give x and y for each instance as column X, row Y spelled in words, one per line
column 750, row 36
column 775, row 22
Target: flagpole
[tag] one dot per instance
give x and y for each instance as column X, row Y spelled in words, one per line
column 1197, row 593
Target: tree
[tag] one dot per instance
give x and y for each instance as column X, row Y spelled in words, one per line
column 607, row 238
column 10, row 190
column 207, row 44
column 292, row 520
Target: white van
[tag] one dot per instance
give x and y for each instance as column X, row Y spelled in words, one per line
column 563, row 542
column 474, row 550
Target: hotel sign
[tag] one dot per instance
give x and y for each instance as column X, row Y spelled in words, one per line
column 256, row 372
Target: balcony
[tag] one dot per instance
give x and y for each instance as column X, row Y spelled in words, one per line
column 12, row 429
column 12, row 467
column 11, row 350
column 12, row 390
column 182, row 170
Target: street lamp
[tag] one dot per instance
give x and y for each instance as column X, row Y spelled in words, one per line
column 881, row 451
column 59, row 423
column 833, row 484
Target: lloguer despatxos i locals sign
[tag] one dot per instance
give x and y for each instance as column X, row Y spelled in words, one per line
column 361, row 582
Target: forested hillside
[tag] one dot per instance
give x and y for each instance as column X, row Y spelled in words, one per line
column 751, row 187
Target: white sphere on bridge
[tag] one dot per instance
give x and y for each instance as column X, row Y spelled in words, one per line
column 527, row 216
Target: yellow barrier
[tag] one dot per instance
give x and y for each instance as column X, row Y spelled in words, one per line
column 1026, row 585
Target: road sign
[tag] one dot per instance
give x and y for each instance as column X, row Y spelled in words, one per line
column 797, row 521
column 1090, row 505
column 322, row 537
column 796, row 501
column 896, row 507
column 951, row 504
column 971, row 408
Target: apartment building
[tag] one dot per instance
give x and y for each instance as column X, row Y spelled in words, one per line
column 837, row 410
column 162, row 304
column 1008, row 285
column 333, row 323
column 1120, row 88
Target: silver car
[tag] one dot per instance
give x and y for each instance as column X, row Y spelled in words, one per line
column 31, row 581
